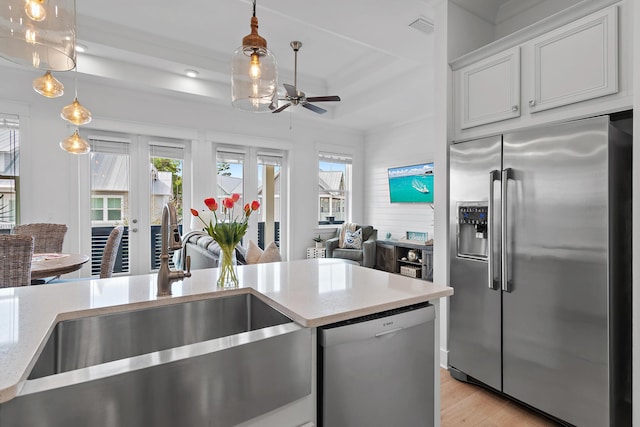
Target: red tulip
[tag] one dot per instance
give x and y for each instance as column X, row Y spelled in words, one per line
column 194, row 212
column 228, row 203
column 211, row 203
column 247, row 208
column 235, row 197
column 255, row 205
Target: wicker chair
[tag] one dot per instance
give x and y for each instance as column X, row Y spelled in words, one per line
column 111, row 252
column 15, row 260
column 48, row 238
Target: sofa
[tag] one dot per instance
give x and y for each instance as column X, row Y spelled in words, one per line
column 203, row 250
column 366, row 256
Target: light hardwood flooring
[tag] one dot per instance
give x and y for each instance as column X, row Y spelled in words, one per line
column 468, row 405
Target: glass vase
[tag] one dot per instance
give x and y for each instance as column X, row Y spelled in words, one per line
column 228, row 277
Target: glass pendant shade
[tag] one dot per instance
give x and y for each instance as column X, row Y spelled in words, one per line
column 75, row 113
column 39, row 33
column 254, row 74
column 49, row 86
column 75, row 144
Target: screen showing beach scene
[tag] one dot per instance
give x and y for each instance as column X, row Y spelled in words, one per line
column 411, row 184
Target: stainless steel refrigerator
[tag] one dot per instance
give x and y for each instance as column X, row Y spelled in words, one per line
column 540, row 263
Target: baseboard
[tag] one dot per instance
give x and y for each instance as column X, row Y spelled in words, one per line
column 444, row 358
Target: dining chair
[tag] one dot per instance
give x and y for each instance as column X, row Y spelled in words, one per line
column 15, row 260
column 48, row 238
column 111, row 252
column 109, row 255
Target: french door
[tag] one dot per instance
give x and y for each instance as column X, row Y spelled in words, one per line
column 132, row 177
column 255, row 174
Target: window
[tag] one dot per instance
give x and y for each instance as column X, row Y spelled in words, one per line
column 269, row 192
column 334, row 188
column 9, row 170
column 110, row 198
column 166, row 162
column 230, row 175
column 106, row 208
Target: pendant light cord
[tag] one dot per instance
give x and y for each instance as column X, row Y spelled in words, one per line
column 254, row 7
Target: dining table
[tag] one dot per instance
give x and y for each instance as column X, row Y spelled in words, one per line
column 50, row 265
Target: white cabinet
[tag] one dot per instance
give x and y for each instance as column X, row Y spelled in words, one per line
column 547, row 65
column 576, row 62
column 489, row 90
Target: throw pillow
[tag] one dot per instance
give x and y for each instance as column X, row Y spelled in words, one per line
column 346, row 226
column 270, row 254
column 253, row 253
column 353, row 240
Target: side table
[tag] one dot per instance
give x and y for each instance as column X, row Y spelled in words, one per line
column 316, row 253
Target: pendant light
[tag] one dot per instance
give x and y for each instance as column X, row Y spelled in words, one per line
column 75, row 144
column 49, row 86
column 254, row 73
column 75, row 113
column 39, row 33
column 35, row 10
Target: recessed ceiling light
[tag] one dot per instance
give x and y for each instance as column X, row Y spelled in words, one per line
column 191, row 73
column 81, row 48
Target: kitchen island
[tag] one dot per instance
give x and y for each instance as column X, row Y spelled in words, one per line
column 312, row 293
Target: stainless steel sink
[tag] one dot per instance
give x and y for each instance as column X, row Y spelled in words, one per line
column 216, row 362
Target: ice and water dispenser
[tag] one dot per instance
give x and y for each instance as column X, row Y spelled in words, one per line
column 472, row 229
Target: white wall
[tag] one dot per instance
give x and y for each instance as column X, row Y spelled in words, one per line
column 465, row 31
column 49, row 176
column 514, row 16
column 402, row 146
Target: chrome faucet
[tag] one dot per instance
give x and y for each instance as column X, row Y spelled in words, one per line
column 170, row 227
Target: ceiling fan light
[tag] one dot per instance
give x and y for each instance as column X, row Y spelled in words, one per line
column 75, row 144
column 49, row 86
column 76, row 113
column 39, row 33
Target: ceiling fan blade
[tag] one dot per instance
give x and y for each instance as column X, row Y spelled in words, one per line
column 285, row 106
column 291, row 91
column 313, row 108
column 323, row 98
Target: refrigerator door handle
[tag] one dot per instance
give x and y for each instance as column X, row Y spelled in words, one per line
column 506, row 175
column 494, row 175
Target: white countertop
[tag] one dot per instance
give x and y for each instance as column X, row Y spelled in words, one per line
column 312, row 292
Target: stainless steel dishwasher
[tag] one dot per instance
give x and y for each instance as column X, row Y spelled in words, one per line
column 378, row 370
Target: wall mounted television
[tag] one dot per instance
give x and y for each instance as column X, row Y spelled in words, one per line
column 411, row 184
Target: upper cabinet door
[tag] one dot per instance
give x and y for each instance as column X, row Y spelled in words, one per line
column 489, row 90
column 576, row 62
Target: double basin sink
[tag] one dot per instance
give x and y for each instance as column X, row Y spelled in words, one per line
column 218, row 361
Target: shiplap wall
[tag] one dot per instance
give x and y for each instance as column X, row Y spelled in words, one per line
column 400, row 146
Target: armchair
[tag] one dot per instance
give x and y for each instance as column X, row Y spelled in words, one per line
column 366, row 256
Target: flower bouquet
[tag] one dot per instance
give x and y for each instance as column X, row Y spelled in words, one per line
column 227, row 230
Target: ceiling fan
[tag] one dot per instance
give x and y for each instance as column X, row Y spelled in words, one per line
column 295, row 97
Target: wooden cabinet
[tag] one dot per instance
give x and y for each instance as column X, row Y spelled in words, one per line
column 576, row 62
column 489, row 90
column 393, row 256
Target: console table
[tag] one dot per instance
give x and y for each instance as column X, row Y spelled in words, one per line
column 392, row 256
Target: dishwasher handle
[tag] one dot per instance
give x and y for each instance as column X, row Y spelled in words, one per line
column 390, row 331
column 360, row 330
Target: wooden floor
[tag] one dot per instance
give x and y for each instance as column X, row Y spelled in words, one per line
column 468, row 405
